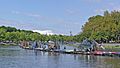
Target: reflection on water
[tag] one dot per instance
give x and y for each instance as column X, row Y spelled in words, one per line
column 15, row 57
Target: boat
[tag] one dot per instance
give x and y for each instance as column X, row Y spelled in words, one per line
column 53, row 48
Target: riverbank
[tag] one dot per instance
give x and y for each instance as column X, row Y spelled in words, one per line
column 108, row 46
column 115, row 48
column 8, row 44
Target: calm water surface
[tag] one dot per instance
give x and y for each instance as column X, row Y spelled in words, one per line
column 15, row 57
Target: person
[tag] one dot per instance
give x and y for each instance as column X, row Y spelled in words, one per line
column 74, row 49
column 87, row 50
column 44, row 46
column 64, row 47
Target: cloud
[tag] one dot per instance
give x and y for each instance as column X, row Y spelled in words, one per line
column 13, row 23
column 38, row 17
column 70, row 11
column 15, row 12
column 116, row 8
column 112, row 8
column 26, row 14
column 50, row 20
column 93, row 0
column 48, row 32
column 73, row 12
column 100, row 11
column 25, row 26
column 51, row 23
column 111, row 4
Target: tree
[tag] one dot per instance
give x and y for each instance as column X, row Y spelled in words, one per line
column 106, row 27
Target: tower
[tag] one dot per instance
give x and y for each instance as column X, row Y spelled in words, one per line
column 71, row 33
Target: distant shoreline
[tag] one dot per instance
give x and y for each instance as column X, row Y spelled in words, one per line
column 8, row 44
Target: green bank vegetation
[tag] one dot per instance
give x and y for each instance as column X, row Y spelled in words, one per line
column 11, row 34
column 105, row 28
column 112, row 48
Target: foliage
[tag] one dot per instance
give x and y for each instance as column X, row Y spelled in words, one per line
column 102, row 28
column 17, row 35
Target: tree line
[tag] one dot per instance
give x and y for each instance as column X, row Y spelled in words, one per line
column 105, row 28
column 17, row 35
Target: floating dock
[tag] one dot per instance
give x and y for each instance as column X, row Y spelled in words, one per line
column 96, row 53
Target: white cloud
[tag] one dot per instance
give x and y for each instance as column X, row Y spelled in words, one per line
column 111, row 4
column 101, row 11
column 48, row 32
column 73, row 12
column 93, row 1
column 15, row 12
column 48, row 19
column 70, row 11
column 51, row 22
column 18, row 24
column 116, row 8
column 27, row 14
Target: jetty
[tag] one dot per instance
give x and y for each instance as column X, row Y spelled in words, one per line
column 85, row 49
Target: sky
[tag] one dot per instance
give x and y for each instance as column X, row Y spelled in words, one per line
column 54, row 16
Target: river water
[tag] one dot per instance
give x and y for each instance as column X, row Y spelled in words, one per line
column 15, row 57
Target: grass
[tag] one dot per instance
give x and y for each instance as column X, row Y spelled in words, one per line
column 112, row 48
